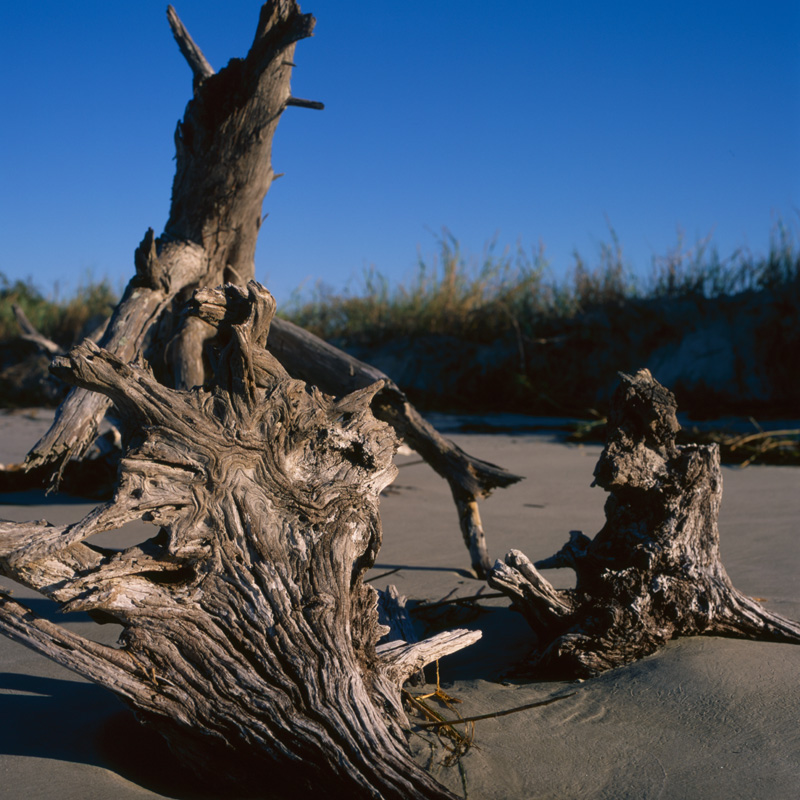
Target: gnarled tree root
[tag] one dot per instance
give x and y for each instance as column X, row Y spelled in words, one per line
column 223, row 172
column 250, row 639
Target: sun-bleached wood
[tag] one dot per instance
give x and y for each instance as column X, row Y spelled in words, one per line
column 470, row 479
column 223, row 172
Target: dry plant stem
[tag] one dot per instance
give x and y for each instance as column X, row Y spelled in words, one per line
column 308, row 357
column 462, row 741
column 249, row 633
column 654, row 570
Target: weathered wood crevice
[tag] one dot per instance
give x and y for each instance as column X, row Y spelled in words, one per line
column 654, row 571
column 248, row 628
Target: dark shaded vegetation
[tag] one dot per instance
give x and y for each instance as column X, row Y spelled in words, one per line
column 503, row 335
column 755, row 445
column 24, row 376
column 65, row 320
column 513, row 293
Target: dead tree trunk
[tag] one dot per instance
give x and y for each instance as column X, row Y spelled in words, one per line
column 223, row 172
column 654, row 570
column 250, row 639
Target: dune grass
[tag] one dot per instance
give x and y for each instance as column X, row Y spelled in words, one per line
column 547, row 336
column 513, row 291
column 509, row 291
column 62, row 319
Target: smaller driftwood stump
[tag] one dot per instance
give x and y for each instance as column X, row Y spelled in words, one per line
column 250, row 639
column 654, row 571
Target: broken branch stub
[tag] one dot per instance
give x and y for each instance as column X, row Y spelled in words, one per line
column 250, row 638
column 654, row 571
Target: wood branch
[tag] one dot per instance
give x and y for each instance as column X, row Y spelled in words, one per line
column 30, row 334
column 300, row 103
column 160, row 278
column 309, row 358
column 224, row 146
column 393, row 613
column 654, row 571
column 222, row 175
column 200, row 67
column 403, row 660
column 104, row 665
column 247, row 623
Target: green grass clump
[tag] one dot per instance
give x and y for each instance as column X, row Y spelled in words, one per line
column 61, row 319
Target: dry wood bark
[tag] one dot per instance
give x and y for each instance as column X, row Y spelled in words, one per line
column 250, row 638
column 223, row 172
column 654, row 571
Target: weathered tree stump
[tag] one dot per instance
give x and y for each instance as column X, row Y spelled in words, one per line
column 250, row 639
column 654, row 571
column 223, row 170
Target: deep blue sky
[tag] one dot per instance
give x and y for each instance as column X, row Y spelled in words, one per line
column 524, row 121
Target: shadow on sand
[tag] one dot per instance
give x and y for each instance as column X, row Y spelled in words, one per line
column 83, row 723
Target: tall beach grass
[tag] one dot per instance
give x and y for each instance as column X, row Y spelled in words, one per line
column 514, row 290
column 504, row 292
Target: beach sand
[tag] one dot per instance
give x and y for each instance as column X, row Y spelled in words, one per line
column 705, row 717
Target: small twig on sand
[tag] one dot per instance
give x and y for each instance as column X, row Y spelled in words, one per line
column 385, row 574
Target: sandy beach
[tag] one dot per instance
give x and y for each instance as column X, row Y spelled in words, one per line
column 705, row 717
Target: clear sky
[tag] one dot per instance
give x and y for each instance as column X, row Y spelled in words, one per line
column 523, row 121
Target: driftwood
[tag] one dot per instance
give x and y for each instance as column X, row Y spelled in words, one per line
column 223, row 172
column 654, row 571
column 29, row 333
column 310, row 358
column 250, row 639
column 393, row 613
